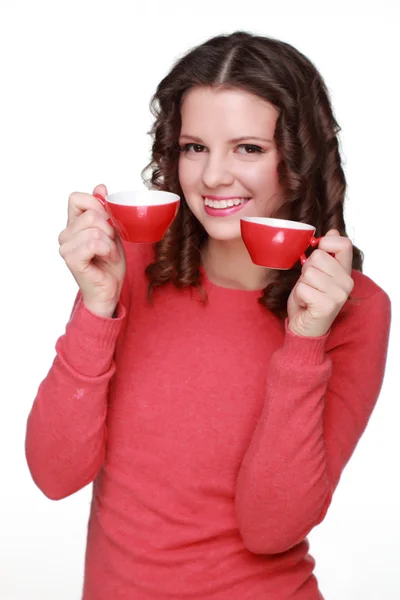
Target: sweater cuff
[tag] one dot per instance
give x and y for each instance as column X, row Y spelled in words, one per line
column 304, row 350
column 89, row 341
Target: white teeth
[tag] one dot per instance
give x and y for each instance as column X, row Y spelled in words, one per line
column 224, row 203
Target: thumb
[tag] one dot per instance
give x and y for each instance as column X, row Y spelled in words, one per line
column 333, row 232
column 101, row 189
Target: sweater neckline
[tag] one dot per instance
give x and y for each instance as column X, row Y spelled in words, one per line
column 227, row 290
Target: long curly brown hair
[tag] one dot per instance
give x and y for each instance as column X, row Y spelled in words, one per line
column 310, row 170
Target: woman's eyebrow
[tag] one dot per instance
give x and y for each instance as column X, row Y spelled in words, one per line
column 233, row 141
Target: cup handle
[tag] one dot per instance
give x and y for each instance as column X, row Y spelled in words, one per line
column 314, row 243
column 102, row 201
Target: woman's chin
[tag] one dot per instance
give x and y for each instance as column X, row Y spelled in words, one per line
column 224, row 232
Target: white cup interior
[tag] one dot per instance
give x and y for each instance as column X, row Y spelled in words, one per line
column 279, row 223
column 142, row 197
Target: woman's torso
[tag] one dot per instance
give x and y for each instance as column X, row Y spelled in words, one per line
column 187, row 392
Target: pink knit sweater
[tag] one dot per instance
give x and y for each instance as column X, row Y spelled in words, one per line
column 214, row 437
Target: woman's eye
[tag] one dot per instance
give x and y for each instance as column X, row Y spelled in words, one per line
column 197, row 148
column 251, row 148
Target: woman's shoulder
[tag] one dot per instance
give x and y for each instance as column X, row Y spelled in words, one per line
column 368, row 308
column 365, row 287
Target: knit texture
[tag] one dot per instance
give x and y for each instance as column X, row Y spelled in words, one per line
column 214, row 436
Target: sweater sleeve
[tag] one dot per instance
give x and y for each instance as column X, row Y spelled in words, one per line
column 66, row 430
column 318, row 404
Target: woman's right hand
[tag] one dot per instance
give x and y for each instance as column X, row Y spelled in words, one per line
column 93, row 252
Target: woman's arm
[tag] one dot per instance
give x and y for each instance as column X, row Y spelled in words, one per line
column 320, row 395
column 66, row 431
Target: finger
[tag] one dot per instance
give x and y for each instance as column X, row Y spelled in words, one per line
column 90, row 250
column 91, row 219
column 72, row 243
column 107, row 250
column 325, row 264
column 78, row 202
column 84, row 246
column 340, row 246
column 317, row 280
column 338, row 288
column 100, row 189
column 306, row 295
column 323, row 304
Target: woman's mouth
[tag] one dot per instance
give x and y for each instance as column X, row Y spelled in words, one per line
column 223, row 208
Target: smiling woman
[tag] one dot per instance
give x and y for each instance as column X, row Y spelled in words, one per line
column 216, row 431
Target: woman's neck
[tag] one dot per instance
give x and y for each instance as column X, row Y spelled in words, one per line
column 228, row 264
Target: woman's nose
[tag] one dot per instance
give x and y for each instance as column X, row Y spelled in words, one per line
column 217, row 172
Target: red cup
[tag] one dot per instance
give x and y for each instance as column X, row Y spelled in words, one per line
column 277, row 243
column 141, row 216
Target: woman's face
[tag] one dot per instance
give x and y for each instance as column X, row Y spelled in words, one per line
column 228, row 161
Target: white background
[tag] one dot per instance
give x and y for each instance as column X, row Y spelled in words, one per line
column 76, row 80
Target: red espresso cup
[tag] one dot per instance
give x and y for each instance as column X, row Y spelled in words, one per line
column 277, row 243
column 141, row 216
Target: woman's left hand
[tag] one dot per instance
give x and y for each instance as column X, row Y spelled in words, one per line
column 323, row 287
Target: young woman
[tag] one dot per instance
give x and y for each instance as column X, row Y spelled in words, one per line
column 214, row 403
